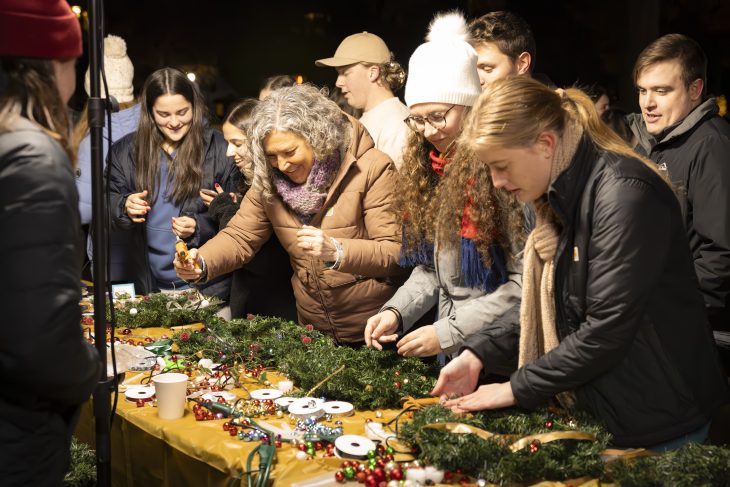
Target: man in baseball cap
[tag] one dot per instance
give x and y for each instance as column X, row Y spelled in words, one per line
column 368, row 78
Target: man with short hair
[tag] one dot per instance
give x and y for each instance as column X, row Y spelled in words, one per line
column 681, row 131
column 504, row 45
column 368, row 76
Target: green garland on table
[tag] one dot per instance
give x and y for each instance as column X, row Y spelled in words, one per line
column 82, row 471
column 491, row 459
column 370, row 379
column 164, row 310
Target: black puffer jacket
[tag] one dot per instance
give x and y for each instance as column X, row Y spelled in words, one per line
column 46, row 367
column 635, row 342
column 217, row 168
column 696, row 154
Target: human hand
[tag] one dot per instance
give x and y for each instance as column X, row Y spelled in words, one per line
column 191, row 268
column 208, row 195
column 183, row 226
column 489, row 396
column 315, row 243
column 381, row 328
column 136, row 206
column 459, row 377
column 422, row 342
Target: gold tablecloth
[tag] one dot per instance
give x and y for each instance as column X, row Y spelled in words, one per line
column 148, row 451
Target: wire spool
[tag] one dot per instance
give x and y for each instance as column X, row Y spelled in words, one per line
column 264, row 394
column 306, row 407
column 213, row 396
column 141, row 393
column 355, row 447
column 284, row 402
column 338, row 409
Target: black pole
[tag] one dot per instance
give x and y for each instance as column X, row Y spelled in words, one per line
column 102, row 398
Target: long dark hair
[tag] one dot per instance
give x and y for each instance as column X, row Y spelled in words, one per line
column 31, row 92
column 240, row 117
column 187, row 171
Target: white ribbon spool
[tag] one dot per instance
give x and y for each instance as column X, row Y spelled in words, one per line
column 354, row 446
column 263, row 394
column 285, row 401
column 338, row 409
column 213, row 396
column 306, row 407
column 144, row 393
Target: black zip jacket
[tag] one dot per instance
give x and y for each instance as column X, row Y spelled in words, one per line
column 217, row 168
column 696, row 154
column 635, row 344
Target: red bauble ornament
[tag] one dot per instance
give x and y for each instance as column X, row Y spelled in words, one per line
column 303, row 447
column 318, row 446
column 340, row 476
column 360, row 477
column 306, row 340
column 371, row 481
column 233, row 431
column 140, row 403
column 379, row 473
column 396, row 474
column 185, row 336
column 534, row 447
column 396, row 385
column 397, row 372
column 549, row 424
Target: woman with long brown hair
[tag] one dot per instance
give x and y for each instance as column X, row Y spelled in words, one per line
column 455, row 224
column 156, row 174
column 611, row 317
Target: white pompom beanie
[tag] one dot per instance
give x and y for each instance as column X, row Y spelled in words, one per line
column 444, row 68
column 119, row 70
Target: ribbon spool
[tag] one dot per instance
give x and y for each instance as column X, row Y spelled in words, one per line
column 376, row 432
column 284, row 402
column 143, row 393
column 338, row 409
column 213, row 396
column 353, row 446
column 263, row 394
column 306, row 407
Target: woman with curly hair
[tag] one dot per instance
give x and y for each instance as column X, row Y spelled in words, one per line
column 611, row 318
column 321, row 186
column 469, row 272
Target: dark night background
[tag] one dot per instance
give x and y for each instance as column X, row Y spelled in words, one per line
column 232, row 44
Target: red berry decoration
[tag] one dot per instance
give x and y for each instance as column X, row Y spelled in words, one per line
column 250, row 317
column 306, row 340
column 534, row 447
column 396, row 385
column 126, row 331
column 549, row 424
column 309, row 327
column 397, row 372
column 185, row 336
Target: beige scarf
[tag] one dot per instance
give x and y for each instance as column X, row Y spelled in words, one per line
column 538, row 334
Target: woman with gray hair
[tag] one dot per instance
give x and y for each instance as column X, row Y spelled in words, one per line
column 325, row 191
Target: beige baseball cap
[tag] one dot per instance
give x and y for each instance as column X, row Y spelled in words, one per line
column 358, row 48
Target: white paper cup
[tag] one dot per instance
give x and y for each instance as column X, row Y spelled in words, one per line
column 171, row 390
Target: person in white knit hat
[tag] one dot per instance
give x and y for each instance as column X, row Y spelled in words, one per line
column 464, row 260
column 119, row 76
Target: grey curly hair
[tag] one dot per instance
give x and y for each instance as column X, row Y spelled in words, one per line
column 305, row 111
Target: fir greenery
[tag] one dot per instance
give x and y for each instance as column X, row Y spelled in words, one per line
column 164, row 310
column 82, row 471
column 370, row 379
column 492, row 459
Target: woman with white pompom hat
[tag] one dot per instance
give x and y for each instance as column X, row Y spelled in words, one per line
column 455, row 225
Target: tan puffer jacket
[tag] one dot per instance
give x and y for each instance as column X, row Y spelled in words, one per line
column 358, row 212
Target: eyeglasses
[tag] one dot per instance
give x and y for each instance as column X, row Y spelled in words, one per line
column 436, row 120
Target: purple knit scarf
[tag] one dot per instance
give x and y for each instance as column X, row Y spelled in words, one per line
column 308, row 198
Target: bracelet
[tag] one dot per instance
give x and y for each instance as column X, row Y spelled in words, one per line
column 340, row 252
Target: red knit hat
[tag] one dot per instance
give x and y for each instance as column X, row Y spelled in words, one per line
column 45, row 29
